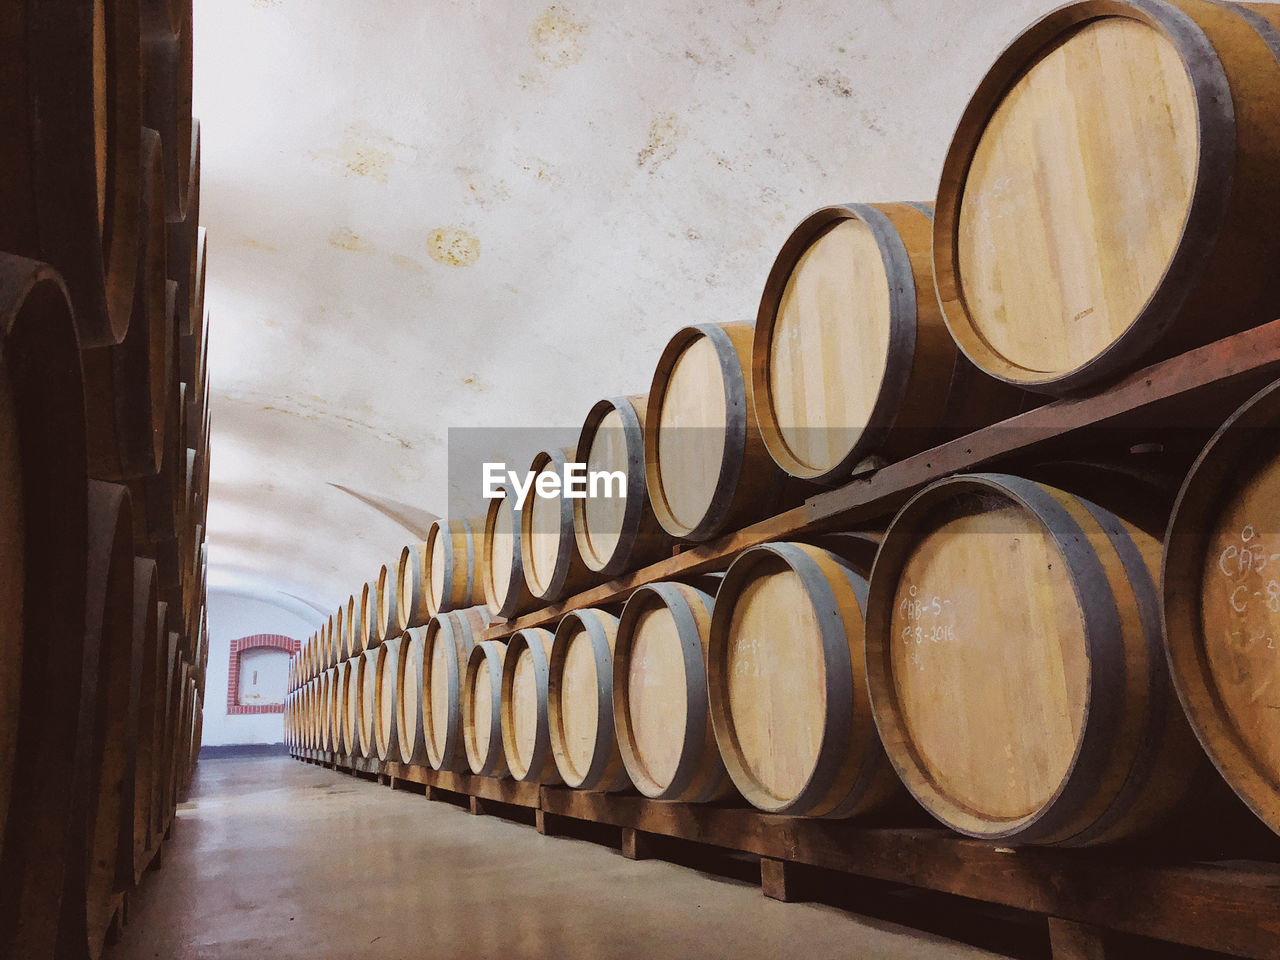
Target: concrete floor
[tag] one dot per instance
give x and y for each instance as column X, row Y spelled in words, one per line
column 275, row 858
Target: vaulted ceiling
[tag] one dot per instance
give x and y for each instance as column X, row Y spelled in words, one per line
column 435, row 214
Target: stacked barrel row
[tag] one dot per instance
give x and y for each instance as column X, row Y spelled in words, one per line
column 1044, row 658
column 104, row 428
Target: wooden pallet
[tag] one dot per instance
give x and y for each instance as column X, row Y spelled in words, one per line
column 1192, row 392
column 1084, row 895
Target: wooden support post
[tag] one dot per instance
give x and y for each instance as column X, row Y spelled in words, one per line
column 547, row 824
column 394, row 782
column 779, row 880
column 427, row 791
column 477, row 807
column 1069, row 940
column 636, row 844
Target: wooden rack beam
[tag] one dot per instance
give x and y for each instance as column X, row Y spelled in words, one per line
column 1229, row 907
column 1196, row 390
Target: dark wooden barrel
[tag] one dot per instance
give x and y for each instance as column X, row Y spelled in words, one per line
column 166, row 108
column 706, row 465
column 617, row 533
column 1222, row 602
column 102, row 741
column 787, row 684
column 143, row 687
column 127, row 385
column 660, row 709
column 186, row 248
column 851, row 358
column 43, row 548
column 69, row 177
column 1015, row 665
column 580, row 702
column 1053, row 269
column 553, row 568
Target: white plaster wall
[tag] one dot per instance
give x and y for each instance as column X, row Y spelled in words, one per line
column 436, row 213
column 232, row 616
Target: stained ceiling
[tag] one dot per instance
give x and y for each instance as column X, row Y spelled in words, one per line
column 426, row 214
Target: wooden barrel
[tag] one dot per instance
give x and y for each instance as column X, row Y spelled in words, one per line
column 69, row 179
column 342, row 692
column 186, row 241
column 660, row 695
column 617, row 533
column 787, row 683
column 501, row 564
column 580, row 702
column 448, row 640
column 851, row 358
column 333, row 642
column 706, row 465
column 103, row 771
column 126, row 385
column 43, row 547
column 1015, row 667
column 1222, row 602
column 482, row 710
column 354, row 706
column 333, row 709
column 526, row 735
column 351, row 634
column 450, row 561
column 553, row 568
column 1053, row 268
column 324, row 715
column 166, row 108
column 369, row 615
column 410, row 733
column 386, row 627
column 411, row 599
column 136, row 802
column 386, row 699
column 368, row 705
